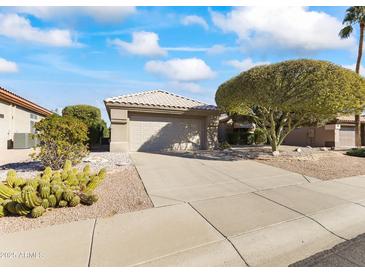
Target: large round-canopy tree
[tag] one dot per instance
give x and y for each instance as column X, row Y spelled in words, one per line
column 291, row 94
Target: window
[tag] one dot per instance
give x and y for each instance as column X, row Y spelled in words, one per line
column 33, row 116
column 2, row 116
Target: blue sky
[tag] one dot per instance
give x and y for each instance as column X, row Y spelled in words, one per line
column 62, row 56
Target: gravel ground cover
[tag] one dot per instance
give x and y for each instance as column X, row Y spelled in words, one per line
column 122, row 191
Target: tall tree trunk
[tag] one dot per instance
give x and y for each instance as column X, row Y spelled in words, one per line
column 358, row 63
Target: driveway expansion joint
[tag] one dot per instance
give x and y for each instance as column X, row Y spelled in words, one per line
column 92, row 242
column 224, row 236
column 304, row 215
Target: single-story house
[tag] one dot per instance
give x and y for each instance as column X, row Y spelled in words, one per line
column 340, row 133
column 17, row 119
column 159, row 120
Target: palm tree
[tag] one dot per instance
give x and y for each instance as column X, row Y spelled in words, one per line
column 355, row 16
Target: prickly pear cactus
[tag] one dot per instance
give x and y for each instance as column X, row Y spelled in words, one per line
column 37, row 211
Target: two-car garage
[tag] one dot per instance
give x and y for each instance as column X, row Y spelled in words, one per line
column 155, row 133
column 160, row 121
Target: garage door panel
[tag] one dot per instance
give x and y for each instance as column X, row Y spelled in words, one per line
column 155, row 133
column 347, row 136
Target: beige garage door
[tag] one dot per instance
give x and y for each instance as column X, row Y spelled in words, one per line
column 347, row 136
column 157, row 133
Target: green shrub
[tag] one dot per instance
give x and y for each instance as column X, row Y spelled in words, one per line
column 247, row 138
column 224, row 145
column 260, row 136
column 43, row 191
column 358, row 152
column 60, row 139
column 91, row 116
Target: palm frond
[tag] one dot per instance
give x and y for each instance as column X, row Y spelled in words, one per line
column 346, row 32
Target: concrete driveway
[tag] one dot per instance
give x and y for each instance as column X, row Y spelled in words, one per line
column 208, row 213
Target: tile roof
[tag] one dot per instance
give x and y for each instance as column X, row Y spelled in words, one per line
column 349, row 118
column 11, row 97
column 159, row 98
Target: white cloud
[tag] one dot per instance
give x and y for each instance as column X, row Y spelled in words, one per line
column 143, row 43
column 185, row 86
column 285, row 27
column 100, row 14
column 20, row 28
column 7, row 66
column 191, row 69
column 245, row 64
column 194, row 20
column 353, row 66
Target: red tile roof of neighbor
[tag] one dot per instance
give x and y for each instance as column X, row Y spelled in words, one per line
column 12, row 98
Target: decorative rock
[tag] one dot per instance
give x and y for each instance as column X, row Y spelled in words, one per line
column 324, row 149
column 298, row 150
column 275, row 153
column 309, row 147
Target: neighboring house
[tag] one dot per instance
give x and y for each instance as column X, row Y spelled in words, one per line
column 158, row 120
column 339, row 134
column 17, row 119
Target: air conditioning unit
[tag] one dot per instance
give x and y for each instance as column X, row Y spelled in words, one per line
column 23, row 141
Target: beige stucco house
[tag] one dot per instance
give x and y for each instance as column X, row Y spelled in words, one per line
column 158, row 120
column 17, row 119
column 339, row 134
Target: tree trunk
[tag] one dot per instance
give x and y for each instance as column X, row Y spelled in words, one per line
column 358, row 63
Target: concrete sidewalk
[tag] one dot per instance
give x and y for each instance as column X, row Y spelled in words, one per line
column 207, row 213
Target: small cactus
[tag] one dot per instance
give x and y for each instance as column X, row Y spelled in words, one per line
column 11, row 173
column 6, row 192
column 68, row 195
column 102, row 174
column 47, row 172
column 52, row 201
column 22, row 210
column 2, row 212
column 74, row 201
column 45, row 192
column 67, row 166
column 30, row 197
column 10, row 207
column 64, row 175
column 87, row 169
column 17, row 198
column 93, row 184
column 58, row 194
column 37, row 211
column 62, row 203
column 45, row 203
